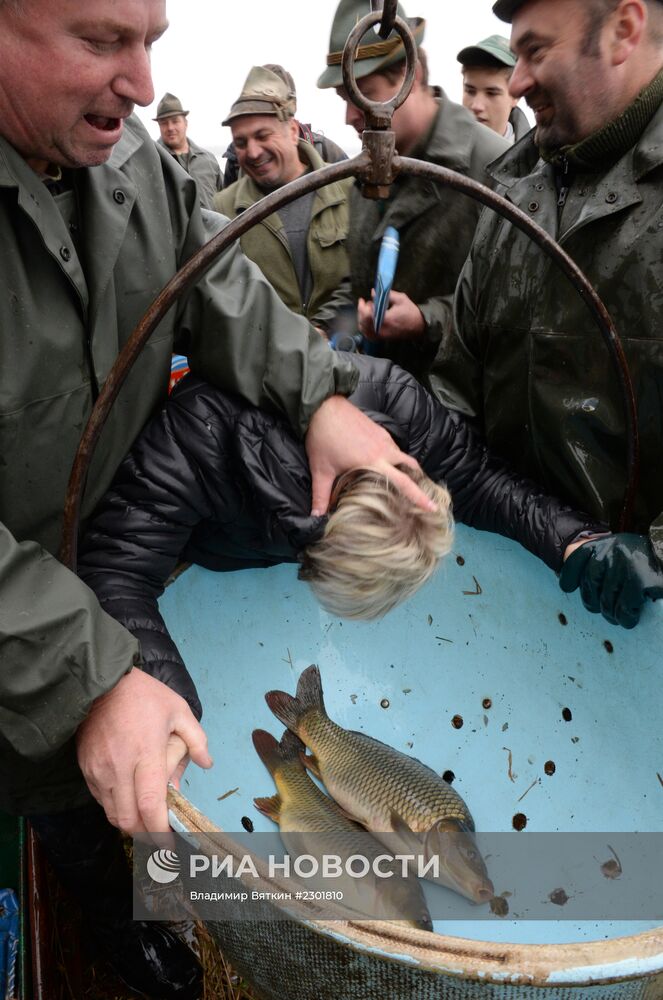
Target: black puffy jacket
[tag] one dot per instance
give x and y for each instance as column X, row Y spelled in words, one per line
column 215, row 481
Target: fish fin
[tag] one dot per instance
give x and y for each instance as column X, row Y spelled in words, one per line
column 454, row 825
column 269, row 806
column 267, row 749
column 286, row 708
column 399, row 825
column 274, row 754
column 309, row 689
column 291, row 747
column 289, row 710
column 429, row 849
column 310, row 762
column 403, row 830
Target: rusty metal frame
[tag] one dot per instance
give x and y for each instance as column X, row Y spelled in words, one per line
column 376, row 167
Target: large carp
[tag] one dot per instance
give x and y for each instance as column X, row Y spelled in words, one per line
column 394, row 796
column 313, row 824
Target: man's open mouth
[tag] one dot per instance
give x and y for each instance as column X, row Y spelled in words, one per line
column 103, row 123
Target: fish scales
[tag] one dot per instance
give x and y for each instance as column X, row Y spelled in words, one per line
column 402, row 801
column 302, row 809
column 370, row 779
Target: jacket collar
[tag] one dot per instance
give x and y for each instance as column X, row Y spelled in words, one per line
column 452, row 136
column 194, row 148
column 275, row 469
column 14, row 171
column 519, row 123
column 523, row 159
column 106, row 213
column 248, row 192
column 648, row 153
column 449, row 143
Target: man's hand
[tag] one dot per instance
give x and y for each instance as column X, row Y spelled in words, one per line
column 403, row 319
column 341, row 437
column 616, row 575
column 136, row 738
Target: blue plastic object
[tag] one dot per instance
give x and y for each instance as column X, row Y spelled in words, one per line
column 8, row 943
column 384, row 277
column 492, row 644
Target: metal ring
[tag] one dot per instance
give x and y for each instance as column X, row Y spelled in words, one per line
column 372, row 109
column 203, row 258
column 389, row 10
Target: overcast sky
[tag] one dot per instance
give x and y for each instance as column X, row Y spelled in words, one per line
column 211, row 45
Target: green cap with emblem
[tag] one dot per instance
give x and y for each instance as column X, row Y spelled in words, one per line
column 168, row 107
column 263, row 93
column 374, row 53
column 491, row 52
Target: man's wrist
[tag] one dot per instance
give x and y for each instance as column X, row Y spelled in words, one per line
column 584, row 536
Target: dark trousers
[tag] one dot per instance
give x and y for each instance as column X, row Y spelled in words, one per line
column 87, row 855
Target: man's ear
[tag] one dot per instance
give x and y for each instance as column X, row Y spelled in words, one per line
column 293, row 126
column 627, row 26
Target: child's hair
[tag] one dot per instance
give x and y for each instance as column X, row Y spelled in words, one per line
column 378, row 547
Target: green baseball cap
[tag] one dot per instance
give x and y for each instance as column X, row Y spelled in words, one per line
column 169, row 107
column 263, row 93
column 493, row 52
column 374, row 53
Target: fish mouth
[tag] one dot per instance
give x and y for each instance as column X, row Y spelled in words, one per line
column 484, row 893
column 478, row 892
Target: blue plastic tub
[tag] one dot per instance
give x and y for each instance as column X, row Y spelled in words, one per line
column 492, row 641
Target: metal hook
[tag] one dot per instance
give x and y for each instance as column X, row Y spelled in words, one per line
column 378, row 114
column 388, row 11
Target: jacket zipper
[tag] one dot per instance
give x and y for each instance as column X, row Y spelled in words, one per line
column 564, row 183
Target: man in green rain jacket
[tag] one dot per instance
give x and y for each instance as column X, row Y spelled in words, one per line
column 527, row 361
column 301, row 248
column 435, row 224
column 94, row 220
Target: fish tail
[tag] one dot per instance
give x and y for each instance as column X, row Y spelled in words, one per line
column 290, row 710
column 309, row 689
column 269, row 806
column 267, row 749
column 291, row 747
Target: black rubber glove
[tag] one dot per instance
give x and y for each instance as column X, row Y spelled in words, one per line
column 616, row 575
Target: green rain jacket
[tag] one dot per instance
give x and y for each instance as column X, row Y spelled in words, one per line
column 267, row 243
column 71, row 297
column 204, row 167
column 528, row 361
column 435, row 226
